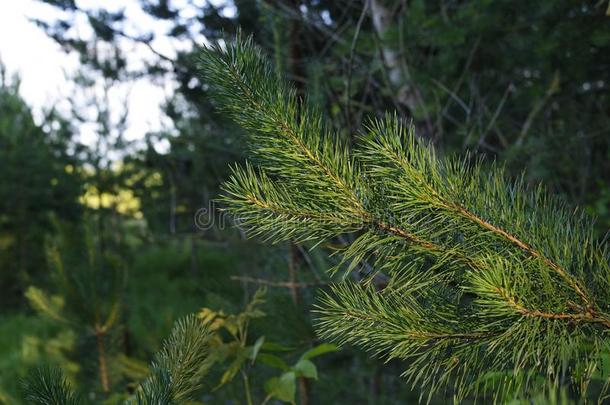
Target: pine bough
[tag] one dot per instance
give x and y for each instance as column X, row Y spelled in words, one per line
column 485, row 277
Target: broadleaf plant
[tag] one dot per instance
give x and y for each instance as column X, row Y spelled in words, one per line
column 459, row 272
column 229, row 344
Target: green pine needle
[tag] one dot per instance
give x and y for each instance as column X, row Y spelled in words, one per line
column 178, row 366
column 48, row 386
column 489, row 285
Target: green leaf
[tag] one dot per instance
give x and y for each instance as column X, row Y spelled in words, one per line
column 603, row 371
column 273, row 361
column 319, row 350
column 252, row 311
column 283, row 388
column 256, row 348
column 305, row 368
column 207, row 315
column 275, row 347
column 232, row 370
column 232, row 324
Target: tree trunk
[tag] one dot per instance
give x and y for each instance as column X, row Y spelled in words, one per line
column 101, row 354
column 382, row 21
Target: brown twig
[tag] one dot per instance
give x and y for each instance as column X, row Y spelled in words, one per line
column 101, row 355
column 526, row 247
column 588, row 316
column 550, row 92
column 282, row 284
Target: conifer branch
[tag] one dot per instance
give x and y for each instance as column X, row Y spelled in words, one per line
column 522, row 245
column 178, row 366
column 48, row 386
column 482, row 273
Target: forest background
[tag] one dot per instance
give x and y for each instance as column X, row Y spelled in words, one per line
column 134, row 223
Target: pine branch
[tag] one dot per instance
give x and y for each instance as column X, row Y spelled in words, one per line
column 484, row 274
column 48, row 386
column 457, row 208
column 178, row 367
column 250, row 93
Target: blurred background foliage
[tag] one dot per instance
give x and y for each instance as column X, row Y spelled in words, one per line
column 103, row 247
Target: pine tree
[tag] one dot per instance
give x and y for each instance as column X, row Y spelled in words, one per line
column 488, row 284
column 90, row 281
